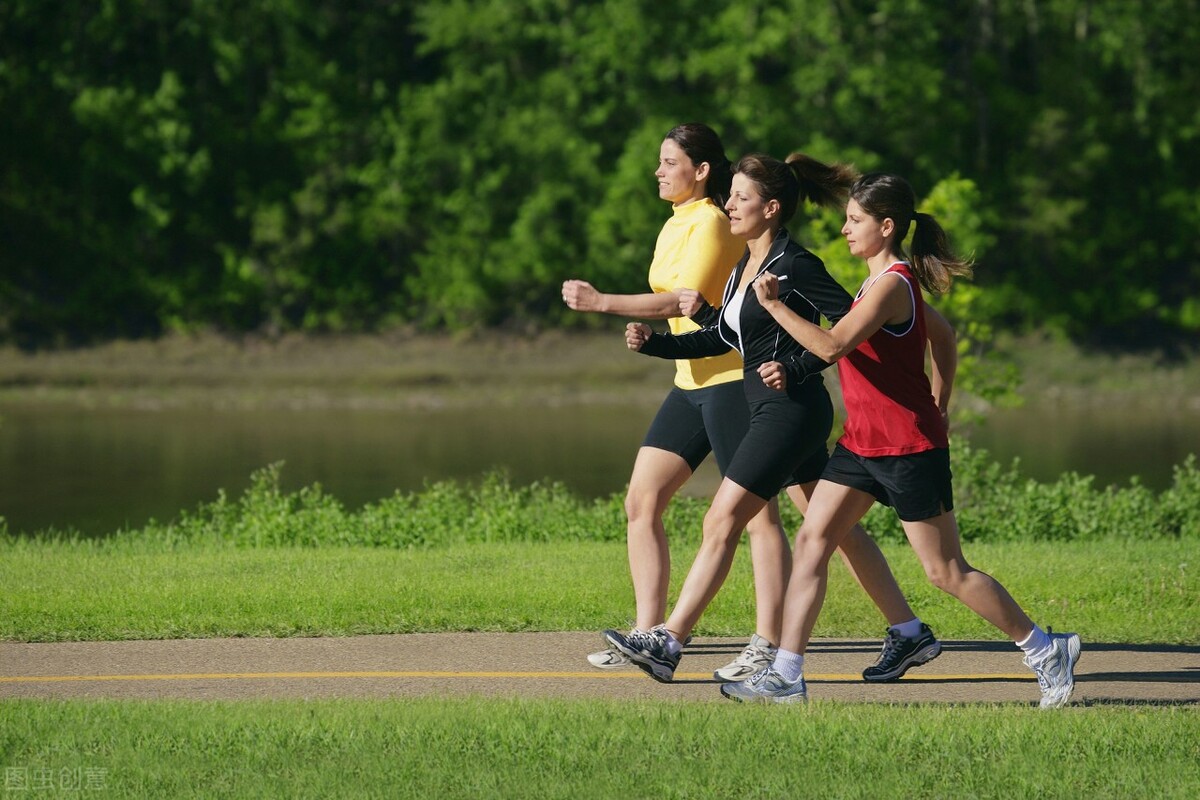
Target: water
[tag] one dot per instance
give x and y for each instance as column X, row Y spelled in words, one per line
column 99, row 470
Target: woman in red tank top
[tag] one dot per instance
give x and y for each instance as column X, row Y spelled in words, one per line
column 895, row 448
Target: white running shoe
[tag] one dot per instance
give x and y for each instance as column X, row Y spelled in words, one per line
column 757, row 656
column 607, row 659
column 1056, row 672
column 767, row 686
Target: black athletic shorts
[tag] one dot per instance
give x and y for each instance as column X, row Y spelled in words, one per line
column 694, row 422
column 918, row 485
column 786, row 443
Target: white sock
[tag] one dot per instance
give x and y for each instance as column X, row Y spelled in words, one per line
column 788, row 664
column 908, row 630
column 1036, row 645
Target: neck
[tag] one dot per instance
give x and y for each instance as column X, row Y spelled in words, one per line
column 760, row 244
column 882, row 260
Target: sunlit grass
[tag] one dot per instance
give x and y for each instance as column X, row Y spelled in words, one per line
column 470, row 747
column 62, row 591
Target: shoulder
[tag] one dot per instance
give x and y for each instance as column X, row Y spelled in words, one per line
column 708, row 218
column 899, row 277
column 797, row 258
column 700, row 213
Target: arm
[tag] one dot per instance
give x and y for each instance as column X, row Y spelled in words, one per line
column 887, row 303
column 943, row 358
column 705, row 264
column 828, row 297
column 697, row 344
column 582, row 296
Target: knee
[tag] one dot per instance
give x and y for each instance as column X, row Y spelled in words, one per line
column 762, row 527
column 720, row 529
column 946, row 576
column 645, row 504
column 810, row 551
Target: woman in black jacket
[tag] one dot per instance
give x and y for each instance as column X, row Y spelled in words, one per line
column 789, row 427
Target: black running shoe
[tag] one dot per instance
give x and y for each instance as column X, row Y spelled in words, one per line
column 647, row 650
column 899, row 654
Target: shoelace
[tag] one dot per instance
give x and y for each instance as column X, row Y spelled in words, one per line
column 890, row 646
column 757, row 680
column 645, row 640
column 754, row 654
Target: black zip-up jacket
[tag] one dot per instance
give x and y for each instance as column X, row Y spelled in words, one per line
column 805, row 286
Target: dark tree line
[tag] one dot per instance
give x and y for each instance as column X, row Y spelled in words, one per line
column 315, row 165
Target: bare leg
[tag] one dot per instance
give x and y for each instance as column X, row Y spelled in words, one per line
column 834, row 510
column 937, row 544
column 866, row 563
column 657, row 476
column 732, row 508
column 771, row 555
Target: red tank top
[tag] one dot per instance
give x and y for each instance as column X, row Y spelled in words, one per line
column 890, row 409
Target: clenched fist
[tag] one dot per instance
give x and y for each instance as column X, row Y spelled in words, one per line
column 636, row 335
column 766, row 286
column 580, row 296
column 773, row 375
column 690, row 301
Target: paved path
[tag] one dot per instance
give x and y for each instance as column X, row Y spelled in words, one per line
column 552, row 665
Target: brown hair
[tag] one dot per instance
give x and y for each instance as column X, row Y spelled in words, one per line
column 799, row 177
column 702, row 144
column 891, row 197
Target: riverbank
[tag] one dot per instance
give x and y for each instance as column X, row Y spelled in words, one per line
column 384, row 372
column 401, row 370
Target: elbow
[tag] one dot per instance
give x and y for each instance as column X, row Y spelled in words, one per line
column 830, row 352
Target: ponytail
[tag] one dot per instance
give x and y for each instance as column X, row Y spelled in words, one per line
column 934, row 263
column 821, row 184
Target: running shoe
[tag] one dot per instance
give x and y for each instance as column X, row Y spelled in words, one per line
column 767, row 686
column 757, row 656
column 608, row 659
column 614, row 659
column 1056, row 672
column 899, row 654
column 647, row 650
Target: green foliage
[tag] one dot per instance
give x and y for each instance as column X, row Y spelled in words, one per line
column 993, row 503
column 312, row 165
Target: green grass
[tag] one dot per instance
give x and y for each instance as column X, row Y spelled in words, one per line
column 57, row 591
column 469, row 747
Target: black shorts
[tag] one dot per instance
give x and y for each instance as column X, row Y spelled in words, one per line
column 786, row 444
column 694, row 422
column 918, row 485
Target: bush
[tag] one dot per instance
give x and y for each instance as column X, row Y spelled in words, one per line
column 993, row 503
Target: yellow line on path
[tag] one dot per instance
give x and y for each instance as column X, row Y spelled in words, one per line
column 225, row 676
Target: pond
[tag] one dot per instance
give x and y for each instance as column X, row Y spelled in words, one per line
column 99, row 470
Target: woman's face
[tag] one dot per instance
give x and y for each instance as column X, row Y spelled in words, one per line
column 749, row 214
column 864, row 234
column 679, row 180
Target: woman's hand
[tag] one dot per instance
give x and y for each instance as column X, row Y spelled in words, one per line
column 773, row 375
column 690, row 301
column 580, row 296
column 636, row 335
column 766, row 286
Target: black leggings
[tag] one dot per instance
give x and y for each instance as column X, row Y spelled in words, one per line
column 694, row 422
